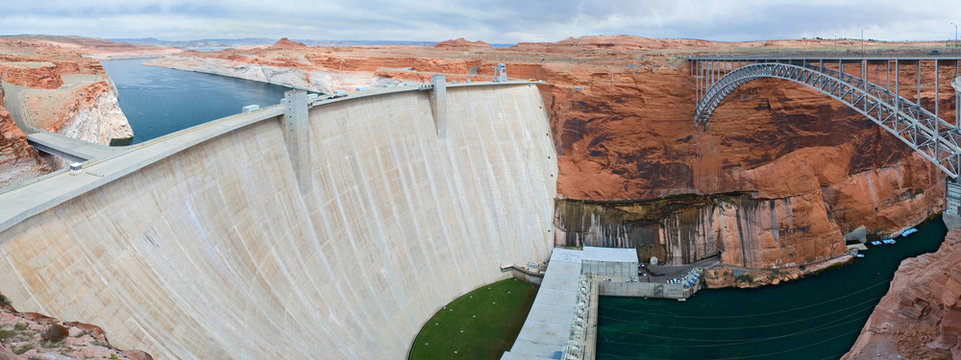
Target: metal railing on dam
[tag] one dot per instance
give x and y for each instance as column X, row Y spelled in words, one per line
column 328, row 230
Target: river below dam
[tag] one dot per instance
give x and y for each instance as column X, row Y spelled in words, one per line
column 818, row 317
column 158, row 101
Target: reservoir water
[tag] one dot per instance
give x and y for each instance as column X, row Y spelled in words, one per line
column 159, row 101
column 818, row 317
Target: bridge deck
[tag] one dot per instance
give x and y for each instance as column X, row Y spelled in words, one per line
column 835, row 57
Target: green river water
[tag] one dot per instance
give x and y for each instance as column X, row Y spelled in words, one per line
column 818, row 317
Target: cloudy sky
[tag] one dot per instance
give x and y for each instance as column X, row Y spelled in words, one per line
column 497, row 21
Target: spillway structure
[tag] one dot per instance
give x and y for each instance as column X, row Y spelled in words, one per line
column 328, row 229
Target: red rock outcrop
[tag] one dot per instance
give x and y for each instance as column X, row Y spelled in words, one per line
column 18, row 160
column 285, row 43
column 461, row 43
column 920, row 316
column 35, row 336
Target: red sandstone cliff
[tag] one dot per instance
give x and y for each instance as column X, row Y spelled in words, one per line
column 18, row 160
column 920, row 316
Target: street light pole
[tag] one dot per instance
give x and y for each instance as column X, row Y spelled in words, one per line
column 955, row 34
column 862, row 41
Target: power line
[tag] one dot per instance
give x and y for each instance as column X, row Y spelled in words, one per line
column 746, row 327
column 729, row 342
column 749, row 356
column 752, row 315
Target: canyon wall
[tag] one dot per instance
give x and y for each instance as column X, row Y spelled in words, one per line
column 18, row 160
column 920, row 316
column 744, row 231
column 752, row 230
column 226, row 249
column 95, row 115
column 821, row 169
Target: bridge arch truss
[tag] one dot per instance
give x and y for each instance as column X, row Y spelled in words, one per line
column 924, row 131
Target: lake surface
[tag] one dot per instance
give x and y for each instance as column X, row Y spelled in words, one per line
column 159, row 101
column 818, row 317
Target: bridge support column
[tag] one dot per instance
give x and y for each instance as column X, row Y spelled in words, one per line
column 297, row 136
column 952, row 209
column 438, row 104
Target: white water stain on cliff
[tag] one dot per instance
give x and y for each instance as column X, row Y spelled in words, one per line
column 313, row 80
column 757, row 233
column 99, row 121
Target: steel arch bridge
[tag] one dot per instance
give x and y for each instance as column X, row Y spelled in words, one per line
column 935, row 139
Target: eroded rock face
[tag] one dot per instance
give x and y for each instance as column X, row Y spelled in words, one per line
column 920, row 316
column 95, row 116
column 35, row 336
column 18, row 160
column 745, row 231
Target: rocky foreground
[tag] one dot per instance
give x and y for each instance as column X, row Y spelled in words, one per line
column 34, row 336
column 920, row 316
column 774, row 181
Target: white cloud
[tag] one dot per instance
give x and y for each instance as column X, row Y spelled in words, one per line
column 492, row 21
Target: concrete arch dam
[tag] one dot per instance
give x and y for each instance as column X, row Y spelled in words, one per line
column 334, row 233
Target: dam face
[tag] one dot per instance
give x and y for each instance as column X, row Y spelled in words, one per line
column 219, row 250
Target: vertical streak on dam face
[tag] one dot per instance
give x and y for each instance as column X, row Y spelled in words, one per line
column 297, row 136
column 438, row 106
column 219, row 251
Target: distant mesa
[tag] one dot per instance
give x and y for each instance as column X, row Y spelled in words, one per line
column 461, row 42
column 285, row 43
column 626, row 42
